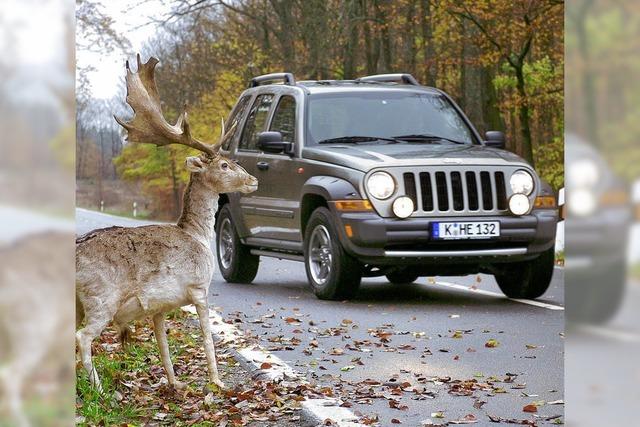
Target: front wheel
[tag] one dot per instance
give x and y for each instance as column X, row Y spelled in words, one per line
column 237, row 263
column 528, row 279
column 333, row 274
column 401, row 277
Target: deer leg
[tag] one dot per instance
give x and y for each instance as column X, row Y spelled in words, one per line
column 160, row 332
column 199, row 299
column 11, row 391
column 84, row 337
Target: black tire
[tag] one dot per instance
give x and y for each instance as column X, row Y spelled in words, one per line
column 402, row 277
column 595, row 297
column 528, row 279
column 333, row 274
column 236, row 262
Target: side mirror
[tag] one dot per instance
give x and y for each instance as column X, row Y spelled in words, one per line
column 494, row 138
column 271, row 142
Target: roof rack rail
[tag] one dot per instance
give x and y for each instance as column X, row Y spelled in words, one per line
column 287, row 79
column 407, row 79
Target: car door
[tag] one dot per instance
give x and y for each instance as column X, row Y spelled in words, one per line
column 279, row 202
column 247, row 155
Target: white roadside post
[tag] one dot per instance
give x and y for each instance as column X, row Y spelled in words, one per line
column 560, row 226
column 101, row 205
column 634, row 247
column 135, row 209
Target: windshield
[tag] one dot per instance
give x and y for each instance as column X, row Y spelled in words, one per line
column 384, row 114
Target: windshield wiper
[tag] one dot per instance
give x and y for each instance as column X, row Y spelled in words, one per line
column 357, row 139
column 426, row 137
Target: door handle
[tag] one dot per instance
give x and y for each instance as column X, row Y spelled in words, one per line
column 263, row 166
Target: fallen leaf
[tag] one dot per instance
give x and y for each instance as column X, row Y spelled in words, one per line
column 530, row 408
column 492, row 343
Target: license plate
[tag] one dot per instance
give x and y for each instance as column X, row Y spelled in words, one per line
column 465, row 230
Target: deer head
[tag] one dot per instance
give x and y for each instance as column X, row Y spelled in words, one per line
column 148, row 125
column 221, row 174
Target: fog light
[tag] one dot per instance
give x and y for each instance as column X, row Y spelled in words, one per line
column 403, row 207
column 519, row 204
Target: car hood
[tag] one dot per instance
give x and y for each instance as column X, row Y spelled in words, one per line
column 365, row 157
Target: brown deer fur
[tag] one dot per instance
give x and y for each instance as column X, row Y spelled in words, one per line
column 123, row 274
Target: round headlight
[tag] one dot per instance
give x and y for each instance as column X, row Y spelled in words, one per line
column 519, row 204
column 582, row 202
column 381, row 185
column 582, row 173
column 403, row 207
column 521, row 182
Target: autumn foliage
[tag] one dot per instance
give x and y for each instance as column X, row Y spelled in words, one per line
column 502, row 61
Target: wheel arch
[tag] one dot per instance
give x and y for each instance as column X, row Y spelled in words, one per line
column 319, row 191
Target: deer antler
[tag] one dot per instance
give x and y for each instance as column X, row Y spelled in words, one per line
column 148, row 124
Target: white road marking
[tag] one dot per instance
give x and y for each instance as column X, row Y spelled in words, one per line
column 279, row 370
column 610, row 333
column 497, row 295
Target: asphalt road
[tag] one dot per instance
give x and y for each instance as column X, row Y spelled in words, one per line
column 427, row 334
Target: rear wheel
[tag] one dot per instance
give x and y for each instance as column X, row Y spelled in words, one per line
column 237, row 263
column 400, row 277
column 528, row 279
column 333, row 274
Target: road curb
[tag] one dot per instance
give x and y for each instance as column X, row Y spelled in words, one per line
column 313, row 412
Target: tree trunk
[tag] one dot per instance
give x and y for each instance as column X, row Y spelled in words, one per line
column 371, row 43
column 523, row 115
column 385, row 38
column 349, row 55
column 588, row 85
column 490, row 112
column 427, row 44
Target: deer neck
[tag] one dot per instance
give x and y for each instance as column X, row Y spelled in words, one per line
column 199, row 207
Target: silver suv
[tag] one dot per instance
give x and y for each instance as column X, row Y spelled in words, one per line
column 379, row 176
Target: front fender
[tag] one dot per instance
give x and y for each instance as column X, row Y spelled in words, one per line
column 330, row 188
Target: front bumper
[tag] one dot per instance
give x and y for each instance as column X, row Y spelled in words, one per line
column 389, row 241
column 597, row 242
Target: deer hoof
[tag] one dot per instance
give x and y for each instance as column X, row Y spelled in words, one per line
column 179, row 385
column 219, row 384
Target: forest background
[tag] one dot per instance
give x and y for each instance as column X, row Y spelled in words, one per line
column 501, row 60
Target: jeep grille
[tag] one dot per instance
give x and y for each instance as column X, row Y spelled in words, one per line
column 441, row 191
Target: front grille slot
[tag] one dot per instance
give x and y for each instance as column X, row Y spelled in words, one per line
column 459, row 191
column 501, row 191
column 472, row 191
column 456, row 189
column 426, row 191
column 487, row 194
column 442, row 191
column 410, row 188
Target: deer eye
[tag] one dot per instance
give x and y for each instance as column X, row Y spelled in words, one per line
column 224, row 165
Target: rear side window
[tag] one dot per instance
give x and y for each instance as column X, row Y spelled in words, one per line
column 232, row 124
column 284, row 119
column 256, row 122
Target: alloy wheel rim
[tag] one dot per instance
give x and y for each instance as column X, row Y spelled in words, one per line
column 225, row 243
column 320, row 257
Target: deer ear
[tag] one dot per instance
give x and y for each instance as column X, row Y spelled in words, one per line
column 195, row 164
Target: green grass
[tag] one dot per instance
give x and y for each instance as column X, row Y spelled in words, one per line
column 560, row 258
column 137, row 364
column 105, row 409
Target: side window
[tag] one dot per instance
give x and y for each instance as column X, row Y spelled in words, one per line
column 284, row 119
column 233, row 122
column 255, row 122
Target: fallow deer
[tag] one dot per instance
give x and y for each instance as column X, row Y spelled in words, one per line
column 123, row 274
